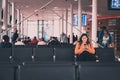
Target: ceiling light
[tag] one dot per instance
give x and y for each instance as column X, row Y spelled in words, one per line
column 36, row 10
column 27, row 6
column 55, row 7
column 75, row 0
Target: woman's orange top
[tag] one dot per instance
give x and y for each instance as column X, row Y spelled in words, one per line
column 79, row 49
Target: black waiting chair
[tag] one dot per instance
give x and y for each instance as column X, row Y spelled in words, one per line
column 18, row 46
column 22, row 55
column 105, row 54
column 7, row 72
column 41, row 46
column 43, row 54
column 30, row 45
column 65, row 54
column 5, row 54
column 99, row 71
column 47, row 72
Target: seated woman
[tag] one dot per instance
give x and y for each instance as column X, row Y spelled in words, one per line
column 106, row 39
column 84, row 49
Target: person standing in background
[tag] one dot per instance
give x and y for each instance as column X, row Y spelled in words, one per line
column 63, row 38
column 15, row 36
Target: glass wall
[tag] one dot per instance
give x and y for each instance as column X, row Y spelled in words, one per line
column 40, row 28
column 32, row 28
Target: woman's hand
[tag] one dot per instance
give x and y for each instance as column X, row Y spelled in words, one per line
column 87, row 48
column 90, row 49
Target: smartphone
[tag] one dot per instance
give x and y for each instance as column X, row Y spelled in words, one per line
column 85, row 46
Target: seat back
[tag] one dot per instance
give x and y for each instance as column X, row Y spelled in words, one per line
column 41, row 46
column 5, row 54
column 30, row 45
column 105, row 54
column 99, row 71
column 65, row 54
column 7, row 72
column 43, row 54
column 47, row 72
column 18, row 46
column 22, row 54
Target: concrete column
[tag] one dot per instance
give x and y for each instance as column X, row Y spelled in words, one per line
column 42, row 28
column 8, row 14
column 5, row 12
column 66, row 21
column 18, row 20
column 0, row 10
column 60, row 26
column 71, row 29
column 21, row 26
column 38, row 29
column 13, row 16
column 25, row 28
column 62, row 22
column 53, row 28
column 94, row 22
column 79, row 17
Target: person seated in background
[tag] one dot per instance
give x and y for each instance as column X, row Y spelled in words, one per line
column 106, row 39
column 41, row 42
column 5, row 43
column 53, row 41
column 84, row 49
column 101, row 33
column 34, row 40
column 27, row 40
column 19, row 42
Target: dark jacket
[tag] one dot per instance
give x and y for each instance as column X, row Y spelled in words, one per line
column 5, row 45
column 15, row 36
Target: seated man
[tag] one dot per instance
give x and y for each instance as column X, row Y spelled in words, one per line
column 5, row 43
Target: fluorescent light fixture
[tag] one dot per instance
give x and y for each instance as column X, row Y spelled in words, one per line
column 75, row 0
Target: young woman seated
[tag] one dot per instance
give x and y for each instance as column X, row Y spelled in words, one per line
column 84, row 49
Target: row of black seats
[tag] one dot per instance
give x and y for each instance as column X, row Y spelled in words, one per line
column 45, row 54
column 82, row 71
column 39, row 46
column 48, row 54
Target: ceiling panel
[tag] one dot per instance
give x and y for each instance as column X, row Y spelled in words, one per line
column 27, row 7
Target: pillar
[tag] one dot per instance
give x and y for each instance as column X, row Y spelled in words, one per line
column 18, row 20
column 21, row 26
column 5, row 12
column 13, row 16
column 79, row 17
column 66, row 21
column 94, row 22
column 71, row 26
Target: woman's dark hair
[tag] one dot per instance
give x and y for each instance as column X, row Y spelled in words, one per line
column 80, row 39
column 106, row 31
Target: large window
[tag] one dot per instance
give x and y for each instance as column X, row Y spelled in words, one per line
column 32, row 28
column 40, row 28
